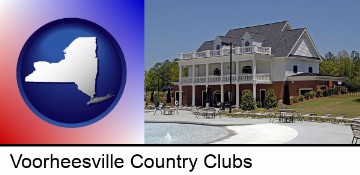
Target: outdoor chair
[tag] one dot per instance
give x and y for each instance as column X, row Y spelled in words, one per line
column 211, row 113
column 355, row 127
column 274, row 116
column 348, row 121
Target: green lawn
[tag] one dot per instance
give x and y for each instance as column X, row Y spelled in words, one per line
column 338, row 105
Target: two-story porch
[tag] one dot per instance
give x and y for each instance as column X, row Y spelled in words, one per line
column 251, row 66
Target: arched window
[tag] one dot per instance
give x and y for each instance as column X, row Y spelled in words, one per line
column 217, row 47
column 247, row 43
column 247, row 70
column 217, row 72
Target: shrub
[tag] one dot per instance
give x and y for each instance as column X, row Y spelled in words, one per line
column 270, row 100
column 326, row 93
column 312, row 94
column 291, row 100
column 307, row 95
column 157, row 99
column 319, row 93
column 301, row 98
column 259, row 104
column 296, row 99
column 247, row 101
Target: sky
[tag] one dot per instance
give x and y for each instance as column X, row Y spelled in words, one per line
column 181, row 26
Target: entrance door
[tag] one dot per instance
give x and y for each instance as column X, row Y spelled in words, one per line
column 217, row 98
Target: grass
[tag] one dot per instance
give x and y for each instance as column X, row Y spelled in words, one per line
column 335, row 105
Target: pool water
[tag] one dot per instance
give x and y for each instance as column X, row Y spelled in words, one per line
column 174, row 133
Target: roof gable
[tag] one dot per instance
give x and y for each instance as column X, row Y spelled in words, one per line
column 279, row 36
column 304, row 47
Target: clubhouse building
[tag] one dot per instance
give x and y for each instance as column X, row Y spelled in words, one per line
column 267, row 56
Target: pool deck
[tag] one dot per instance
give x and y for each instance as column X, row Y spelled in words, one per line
column 260, row 131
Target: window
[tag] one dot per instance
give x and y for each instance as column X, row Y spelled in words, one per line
column 247, row 43
column 247, row 70
column 217, row 47
column 295, row 70
column 310, row 70
column 217, row 72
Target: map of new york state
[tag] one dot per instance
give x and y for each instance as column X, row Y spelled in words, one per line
column 80, row 66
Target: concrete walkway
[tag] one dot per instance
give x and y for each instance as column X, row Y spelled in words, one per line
column 260, row 131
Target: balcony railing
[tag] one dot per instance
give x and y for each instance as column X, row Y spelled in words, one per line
column 226, row 78
column 226, row 52
column 215, row 78
column 264, row 76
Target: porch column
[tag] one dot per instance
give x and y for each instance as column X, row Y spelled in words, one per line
column 237, row 71
column 207, row 72
column 254, row 91
column 180, row 96
column 237, row 96
column 254, row 69
column 193, row 96
column 222, row 93
column 222, row 74
column 193, row 73
column 180, row 73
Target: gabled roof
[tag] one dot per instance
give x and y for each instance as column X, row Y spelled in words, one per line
column 272, row 35
column 207, row 45
column 226, row 39
column 257, row 37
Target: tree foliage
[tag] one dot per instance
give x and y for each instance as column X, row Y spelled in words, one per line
column 247, row 101
column 162, row 74
column 343, row 64
column 270, row 100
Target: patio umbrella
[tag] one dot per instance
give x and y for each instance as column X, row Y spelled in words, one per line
column 152, row 96
column 286, row 95
column 207, row 100
column 168, row 96
column 209, row 94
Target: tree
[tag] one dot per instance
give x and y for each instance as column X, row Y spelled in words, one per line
column 247, row 101
column 329, row 56
column 343, row 54
column 270, row 100
column 355, row 55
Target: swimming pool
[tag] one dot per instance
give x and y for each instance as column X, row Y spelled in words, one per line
column 174, row 133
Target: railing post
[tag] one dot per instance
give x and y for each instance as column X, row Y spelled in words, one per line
column 194, row 55
column 269, row 52
column 208, row 53
column 255, row 50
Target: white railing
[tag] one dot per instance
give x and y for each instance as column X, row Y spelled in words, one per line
column 214, row 78
column 185, row 80
column 200, row 54
column 245, row 77
column 199, row 79
column 215, row 53
column 264, row 76
column 226, row 52
column 226, row 78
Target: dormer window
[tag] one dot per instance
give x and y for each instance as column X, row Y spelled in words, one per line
column 218, row 47
column 247, row 43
